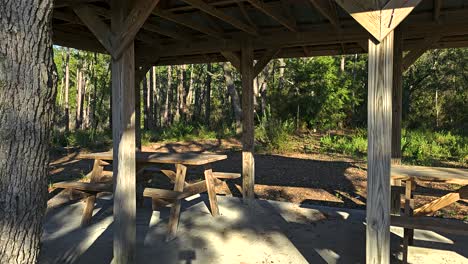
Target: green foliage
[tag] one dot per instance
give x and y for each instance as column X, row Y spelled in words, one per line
column 418, row 147
column 272, row 132
column 82, row 139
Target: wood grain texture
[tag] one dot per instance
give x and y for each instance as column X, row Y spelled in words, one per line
column 181, row 171
column 274, row 14
column 379, row 150
column 435, row 174
column 248, row 164
column 88, row 210
column 194, row 159
column 408, row 233
column 211, row 188
column 437, row 204
column 123, row 134
column 397, row 96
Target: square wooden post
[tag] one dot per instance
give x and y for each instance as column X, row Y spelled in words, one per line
column 379, row 150
column 123, row 132
column 248, row 162
column 396, row 116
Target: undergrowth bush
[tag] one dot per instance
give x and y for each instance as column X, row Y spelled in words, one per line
column 418, row 147
column 273, row 133
column 94, row 140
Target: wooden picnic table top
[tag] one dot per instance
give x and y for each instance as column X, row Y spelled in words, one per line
column 194, row 159
column 437, row 174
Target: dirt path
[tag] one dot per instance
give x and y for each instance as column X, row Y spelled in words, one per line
column 294, row 177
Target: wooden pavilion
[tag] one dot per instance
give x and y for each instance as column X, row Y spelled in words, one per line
column 248, row 34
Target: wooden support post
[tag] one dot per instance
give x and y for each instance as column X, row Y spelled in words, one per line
column 123, row 131
column 248, row 163
column 211, row 188
column 379, row 141
column 396, row 115
column 407, row 232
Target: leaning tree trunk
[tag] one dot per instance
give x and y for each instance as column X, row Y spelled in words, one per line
column 27, row 94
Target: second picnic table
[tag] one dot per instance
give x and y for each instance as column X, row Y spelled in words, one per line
column 181, row 189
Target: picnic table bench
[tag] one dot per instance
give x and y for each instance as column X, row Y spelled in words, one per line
column 101, row 181
column 415, row 218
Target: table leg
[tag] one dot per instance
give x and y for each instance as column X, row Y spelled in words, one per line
column 181, row 170
column 88, row 210
column 211, row 189
column 409, row 206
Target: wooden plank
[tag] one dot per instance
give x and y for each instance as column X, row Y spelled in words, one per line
column 436, row 12
column 267, row 56
column 270, row 11
column 88, row 210
column 379, row 150
column 435, row 174
column 123, row 134
column 141, row 10
column 84, row 186
column 248, row 165
column 211, row 188
column 449, row 226
column 194, row 159
column 437, row 204
column 94, row 23
column 226, row 175
column 161, row 193
column 233, row 58
column 397, row 97
column 205, row 7
column 175, row 210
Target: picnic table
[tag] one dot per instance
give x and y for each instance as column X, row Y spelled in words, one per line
column 145, row 161
column 415, row 218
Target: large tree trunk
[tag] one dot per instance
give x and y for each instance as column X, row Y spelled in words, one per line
column 27, row 94
column 183, row 92
column 145, row 102
column 156, row 102
column 150, row 99
column 167, row 105
column 235, row 102
column 79, row 96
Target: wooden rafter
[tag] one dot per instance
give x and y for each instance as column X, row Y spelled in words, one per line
column 116, row 43
column 187, row 22
column 246, row 15
column 64, row 3
column 328, row 10
column 414, row 54
column 233, row 58
column 167, row 32
column 134, row 21
column 203, row 6
column 377, row 20
column 94, row 23
column 262, row 62
column 273, row 13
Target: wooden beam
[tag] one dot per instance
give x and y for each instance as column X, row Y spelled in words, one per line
column 436, row 12
column 187, row 22
column 65, row 3
column 123, row 134
column 205, row 7
column 94, row 23
column 379, row 17
column 233, row 58
column 379, row 150
column 268, row 10
column 267, row 56
column 246, row 15
column 437, row 204
column 414, row 54
column 167, row 32
column 328, row 10
column 449, row 226
column 134, row 21
column 248, row 163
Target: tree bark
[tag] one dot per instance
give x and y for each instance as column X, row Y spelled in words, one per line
column 235, row 101
column 145, row 102
column 167, row 105
column 27, row 95
column 150, row 99
column 156, row 102
column 67, row 86
column 208, row 95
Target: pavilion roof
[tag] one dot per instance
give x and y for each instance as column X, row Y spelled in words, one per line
column 199, row 31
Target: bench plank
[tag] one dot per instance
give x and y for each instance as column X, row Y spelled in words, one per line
column 226, row 175
column 84, row 186
column 431, row 223
column 161, row 193
column 437, row 174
